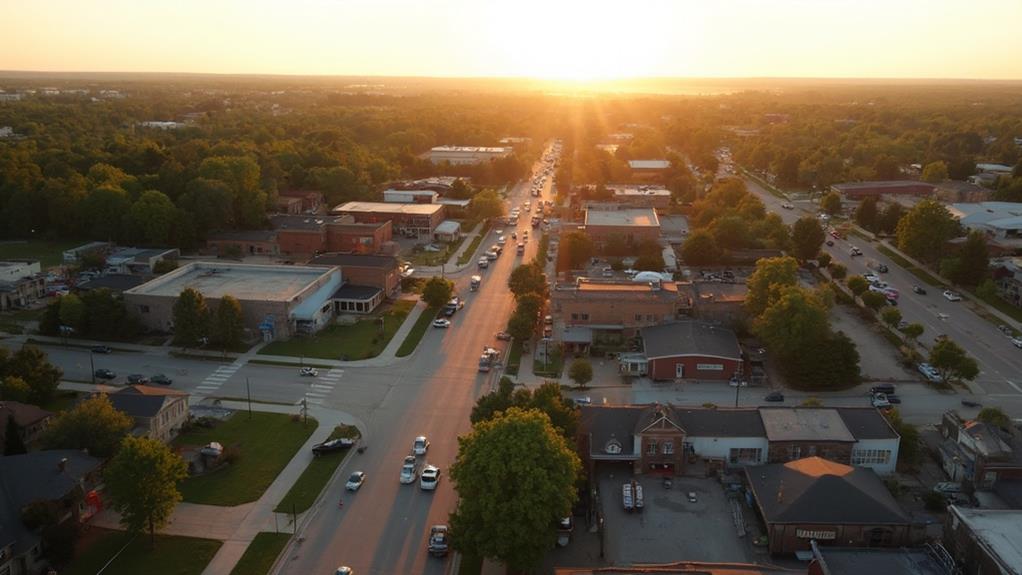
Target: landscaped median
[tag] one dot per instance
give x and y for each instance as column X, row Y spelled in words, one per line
column 172, row 555
column 362, row 340
column 322, row 467
column 261, row 553
column 257, row 447
column 418, row 330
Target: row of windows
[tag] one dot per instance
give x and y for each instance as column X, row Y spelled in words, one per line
column 580, row 316
column 871, row 456
column 652, row 448
column 740, row 455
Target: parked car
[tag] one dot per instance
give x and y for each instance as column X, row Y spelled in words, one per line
column 105, row 374
column 788, row 206
column 484, row 262
column 429, row 478
column 420, row 445
column 887, row 388
column 584, row 400
column 355, row 481
column 893, row 399
column 308, row 372
column 1017, row 342
column 692, row 497
column 438, row 540
column 929, row 372
column 441, row 322
column 161, row 379
column 952, row 296
column 332, row 446
column 970, row 403
column 344, row 570
column 880, row 400
column 138, row 379
column 918, row 289
column 409, row 470
column 503, row 336
column 854, row 251
column 100, row 349
column 774, row 396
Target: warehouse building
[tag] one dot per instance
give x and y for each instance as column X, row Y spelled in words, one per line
column 863, row 190
column 626, row 225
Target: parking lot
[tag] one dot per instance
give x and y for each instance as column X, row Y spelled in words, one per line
column 670, row 527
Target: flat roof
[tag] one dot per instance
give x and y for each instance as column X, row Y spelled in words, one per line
column 649, row 164
column 471, row 149
column 812, row 424
column 630, row 287
column 388, row 208
column 858, row 560
column 357, row 260
column 998, row 531
column 631, row 190
column 299, row 222
column 243, row 281
column 880, row 184
column 634, row 217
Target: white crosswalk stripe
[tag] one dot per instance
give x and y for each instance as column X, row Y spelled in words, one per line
column 215, row 380
column 321, row 387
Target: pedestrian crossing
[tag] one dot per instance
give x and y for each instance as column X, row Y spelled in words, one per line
column 213, row 381
column 321, row 386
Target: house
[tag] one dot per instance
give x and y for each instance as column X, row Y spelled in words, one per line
column 978, row 453
column 729, row 439
column 815, row 499
column 31, row 421
column 984, row 541
column 466, row 155
column 627, row 225
column 158, row 412
column 64, row 481
column 597, row 311
column 686, row 350
column 863, row 190
column 21, row 284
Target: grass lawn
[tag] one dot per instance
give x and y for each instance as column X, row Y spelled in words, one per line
column 304, row 492
column 514, row 358
column 49, row 254
column 359, row 341
column 172, row 555
column 1001, row 306
column 424, row 258
column 553, row 366
column 918, row 272
column 473, row 245
column 261, row 553
column 265, row 443
column 418, row 330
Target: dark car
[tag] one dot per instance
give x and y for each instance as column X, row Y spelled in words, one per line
column 161, row 379
column 105, row 374
column 882, row 268
column 100, row 349
column 774, row 396
column 332, row 446
column 438, row 541
column 919, row 290
column 830, row 242
column 137, row 379
column 893, row 399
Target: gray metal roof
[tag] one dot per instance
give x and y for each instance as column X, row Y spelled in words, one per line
column 720, row 422
column 690, row 338
column 804, row 424
column 353, row 292
column 815, row 490
column 866, row 423
column 138, row 405
column 347, row 259
column 604, row 423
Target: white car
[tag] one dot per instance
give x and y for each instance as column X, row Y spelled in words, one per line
column 787, row 206
column 308, row 372
column 1017, row 342
column 429, row 478
column 420, row 445
column 870, row 277
column 880, row 400
column 441, row 322
column 929, row 372
column 952, row 296
column 409, row 471
column 355, row 481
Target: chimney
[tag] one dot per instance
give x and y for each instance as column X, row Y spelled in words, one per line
column 62, row 465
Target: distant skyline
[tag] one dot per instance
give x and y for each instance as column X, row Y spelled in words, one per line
column 555, row 39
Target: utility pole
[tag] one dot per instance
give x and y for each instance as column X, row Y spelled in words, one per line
column 305, row 410
column 248, row 392
column 92, row 364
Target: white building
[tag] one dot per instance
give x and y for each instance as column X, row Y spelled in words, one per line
column 410, row 196
column 466, row 155
column 999, row 220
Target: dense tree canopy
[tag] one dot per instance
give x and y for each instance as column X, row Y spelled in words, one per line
column 924, row 230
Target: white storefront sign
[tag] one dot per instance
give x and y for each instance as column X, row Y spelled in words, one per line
column 710, row 366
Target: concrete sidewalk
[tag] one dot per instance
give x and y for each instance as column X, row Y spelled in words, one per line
column 451, row 267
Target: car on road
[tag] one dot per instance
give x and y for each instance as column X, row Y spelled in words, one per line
column 429, row 478
column 970, row 403
column 161, row 379
column 420, row 445
column 951, row 296
column 484, row 262
column 441, row 322
column 918, row 289
column 491, row 255
column 788, row 206
column 774, row 396
column 584, row 400
column 929, row 372
column 880, row 400
column 503, row 336
column 355, row 481
column 871, row 277
column 332, row 446
column 893, row 399
column 409, row 470
column 830, row 242
column 100, row 349
column 105, row 374
column 692, row 497
column 308, row 372
column 1017, row 342
column 138, row 379
column 438, row 540
column 854, row 251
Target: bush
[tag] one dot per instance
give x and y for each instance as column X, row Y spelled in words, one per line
column 934, row 501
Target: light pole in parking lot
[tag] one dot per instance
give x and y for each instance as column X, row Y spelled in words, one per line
column 738, row 385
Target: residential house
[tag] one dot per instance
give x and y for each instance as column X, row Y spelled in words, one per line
column 21, row 284
column 63, row 480
column 159, row 412
column 31, row 421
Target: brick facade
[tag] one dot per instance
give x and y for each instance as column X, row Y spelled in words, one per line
column 694, row 367
column 357, row 238
column 785, row 451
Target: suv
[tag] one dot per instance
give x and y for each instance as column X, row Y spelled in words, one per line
column 429, row 478
column 438, row 540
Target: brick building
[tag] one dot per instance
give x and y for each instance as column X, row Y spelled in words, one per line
column 421, row 219
column 862, row 190
column 243, row 242
column 365, row 270
column 628, row 225
column 685, row 350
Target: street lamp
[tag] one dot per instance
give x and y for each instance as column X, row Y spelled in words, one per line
column 738, row 385
column 92, row 364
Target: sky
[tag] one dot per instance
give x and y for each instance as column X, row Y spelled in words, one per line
column 556, row 39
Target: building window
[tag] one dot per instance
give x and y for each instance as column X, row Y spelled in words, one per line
column 143, row 309
column 794, row 452
column 871, row 456
column 574, row 316
column 638, row 317
column 744, row 455
column 585, row 317
column 668, row 448
column 651, row 447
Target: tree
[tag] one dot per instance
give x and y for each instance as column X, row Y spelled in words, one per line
column 141, row 482
column 700, row 249
column 241, row 175
column 888, row 221
column 924, row 230
column 437, row 292
column 771, row 276
column 828, row 363
column 891, row 316
column 909, row 452
column 521, row 451
column 487, row 204
column 951, row 361
column 792, row 322
column 993, row 415
column 973, row 261
column 151, row 219
column 13, row 388
column 831, row 203
column 857, row 284
column 581, row 371
column 823, row 259
column 648, row 262
column 874, row 300
column 867, row 214
column 913, row 331
column 13, row 443
column 576, row 249
column 31, row 365
column 935, row 172
column 93, row 424
column 527, row 278
column 191, row 318
column 806, row 237
column 838, row 271
column 72, row 312
column 230, row 324
column 521, row 325
column 546, row 398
